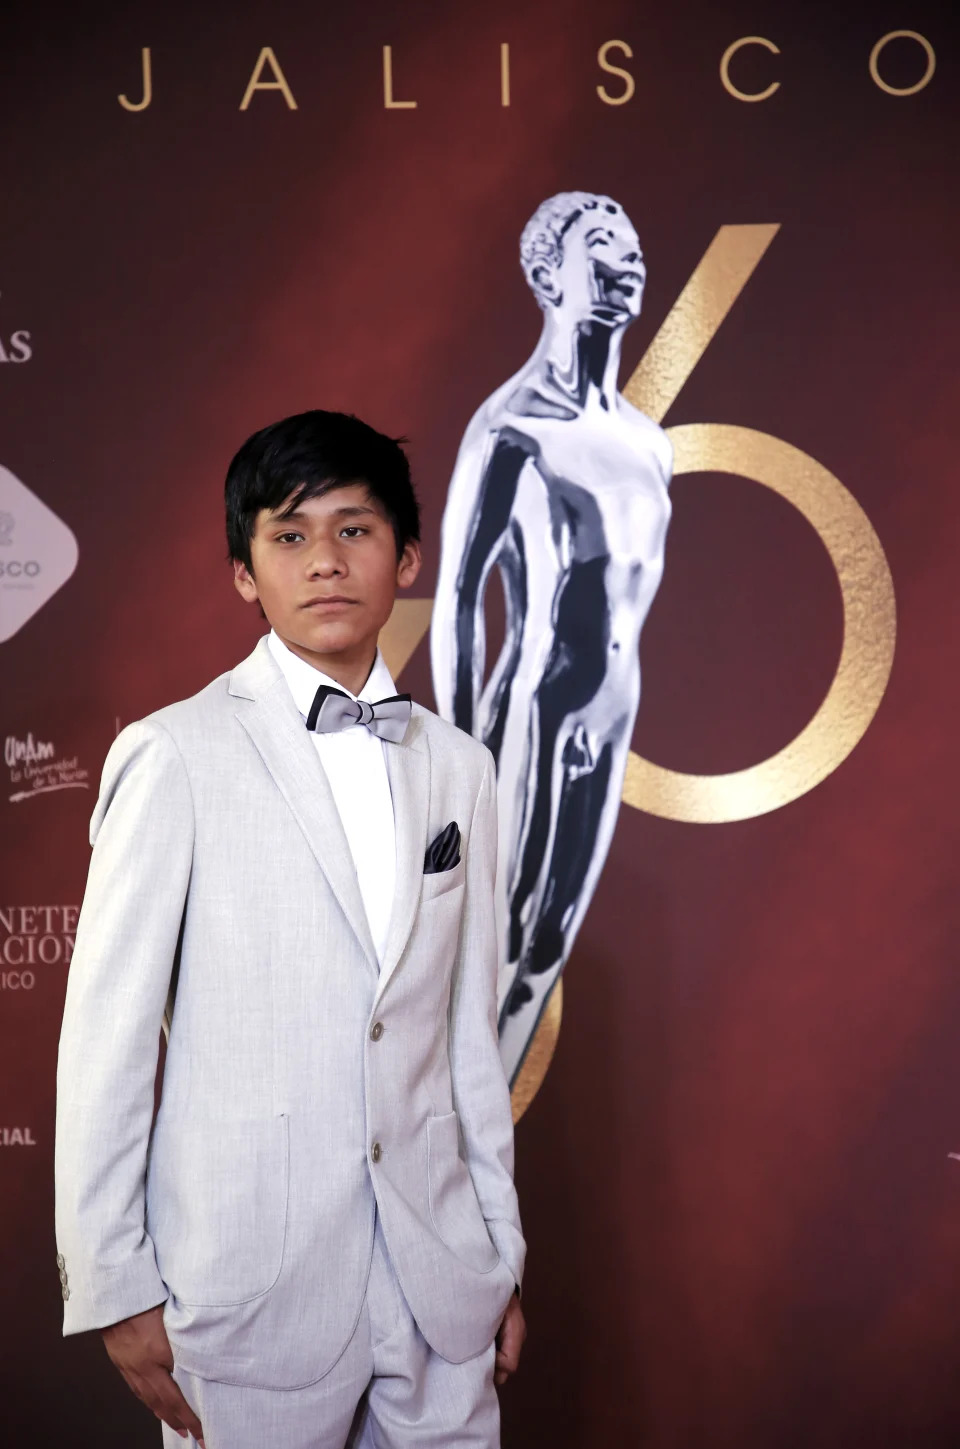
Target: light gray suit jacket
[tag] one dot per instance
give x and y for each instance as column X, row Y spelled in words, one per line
column 302, row 1087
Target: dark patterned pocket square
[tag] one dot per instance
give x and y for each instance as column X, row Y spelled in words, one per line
column 443, row 853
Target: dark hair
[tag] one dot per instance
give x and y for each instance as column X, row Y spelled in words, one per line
column 304, row 457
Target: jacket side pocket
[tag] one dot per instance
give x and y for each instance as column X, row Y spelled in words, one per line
column 217, row 1196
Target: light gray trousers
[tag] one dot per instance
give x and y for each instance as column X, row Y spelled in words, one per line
column 388, row 1390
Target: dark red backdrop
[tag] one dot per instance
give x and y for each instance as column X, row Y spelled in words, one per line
column 744, row 1227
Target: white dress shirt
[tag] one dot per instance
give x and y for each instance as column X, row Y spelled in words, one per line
column 353, row 762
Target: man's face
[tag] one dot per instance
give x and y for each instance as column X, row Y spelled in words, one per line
column 602, row 274
column 326, row 574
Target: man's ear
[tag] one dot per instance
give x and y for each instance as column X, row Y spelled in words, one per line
column 408, row 565
column 547, row 283
column 244, row 582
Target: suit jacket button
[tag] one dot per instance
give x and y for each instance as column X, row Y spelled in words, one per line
column 376, row 1031
column 375, row 1152
column 66, row 1292
column 60, row 1262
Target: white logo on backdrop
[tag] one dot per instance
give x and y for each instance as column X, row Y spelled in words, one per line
column 39, row 554
column 36, row 936
column 17, row 1137
column 36, row 768
column 15, row 346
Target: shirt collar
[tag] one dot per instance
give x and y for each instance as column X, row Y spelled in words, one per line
column 303, row 680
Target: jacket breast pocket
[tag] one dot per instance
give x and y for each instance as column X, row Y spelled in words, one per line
column 217, row 1208
column 454, row 1208
column 440, row 882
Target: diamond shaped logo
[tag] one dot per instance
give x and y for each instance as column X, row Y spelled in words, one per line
column 38, row 553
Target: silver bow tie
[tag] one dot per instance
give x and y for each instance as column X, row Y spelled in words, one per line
column 333, row 710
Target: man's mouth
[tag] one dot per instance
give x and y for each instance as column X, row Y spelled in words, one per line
column 327, row 602
column 618, row 290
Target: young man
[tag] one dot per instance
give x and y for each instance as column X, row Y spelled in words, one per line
column 317, row 1240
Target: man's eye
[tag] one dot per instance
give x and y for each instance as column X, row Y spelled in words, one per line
column 285, row 537
column 353, row 529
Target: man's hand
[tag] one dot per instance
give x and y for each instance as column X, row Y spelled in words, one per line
column 512, row 1332
column 140, row 1349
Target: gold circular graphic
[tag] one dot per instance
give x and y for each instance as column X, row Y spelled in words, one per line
column 869, row 635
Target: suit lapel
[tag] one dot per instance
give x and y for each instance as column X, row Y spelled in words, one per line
column 273, row 722
column 408, row 770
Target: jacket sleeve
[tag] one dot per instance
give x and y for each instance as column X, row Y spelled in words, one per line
column 481, row 1094
column 127, row 936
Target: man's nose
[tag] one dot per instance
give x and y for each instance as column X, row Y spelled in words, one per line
column 326, row 559
column 631, row 257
